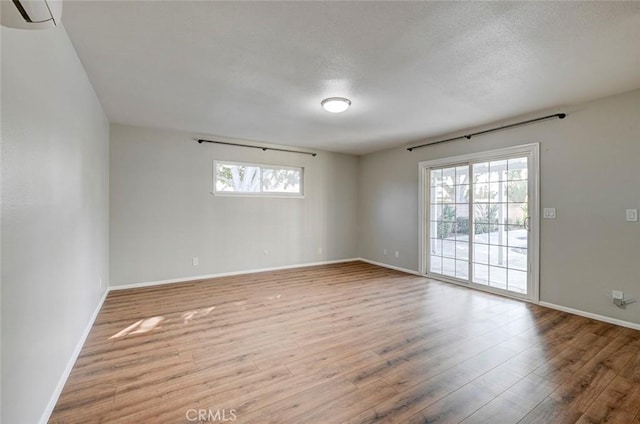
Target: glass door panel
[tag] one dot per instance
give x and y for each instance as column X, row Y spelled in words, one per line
column 500, row 218
column 449, row 222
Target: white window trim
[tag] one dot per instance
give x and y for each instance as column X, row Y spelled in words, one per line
column 533, row 150
column 262, row 166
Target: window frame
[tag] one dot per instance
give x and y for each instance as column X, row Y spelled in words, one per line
column 261, row 193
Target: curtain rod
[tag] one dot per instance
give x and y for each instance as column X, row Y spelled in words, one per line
column 468, row 136
column 264, row 149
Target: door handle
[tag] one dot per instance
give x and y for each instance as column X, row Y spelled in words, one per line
column 527, row 221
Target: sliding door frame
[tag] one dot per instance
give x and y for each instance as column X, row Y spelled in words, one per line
column 533, row 269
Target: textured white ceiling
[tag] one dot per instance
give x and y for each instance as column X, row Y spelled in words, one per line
column 258, row 70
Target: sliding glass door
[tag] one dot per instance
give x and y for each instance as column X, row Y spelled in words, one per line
column 479, row 219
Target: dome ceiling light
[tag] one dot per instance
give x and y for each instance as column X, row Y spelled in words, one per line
column 336, row 104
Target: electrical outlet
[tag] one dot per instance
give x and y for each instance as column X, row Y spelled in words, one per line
column 319, row 250
column 619, row 300
column 397, row 254
column 632, row 215
column 549, row 213
column 384, row 252
column 100, row 282
column 195, row 261
column 266, row 252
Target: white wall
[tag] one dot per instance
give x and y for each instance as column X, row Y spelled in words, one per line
column 162, row 213
column 590, row 172
column 55, row 180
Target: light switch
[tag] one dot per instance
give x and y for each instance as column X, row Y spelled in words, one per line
column 632, row 215
column 549, row 213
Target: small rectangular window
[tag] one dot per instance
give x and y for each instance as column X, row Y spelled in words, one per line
column 233, row 178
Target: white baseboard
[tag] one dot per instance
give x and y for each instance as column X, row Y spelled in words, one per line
column 396, row 268
column 597, row 317
column 74, row 356
column 225, row 274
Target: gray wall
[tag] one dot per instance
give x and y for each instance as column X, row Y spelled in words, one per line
column 590, row 172
column 55, row 153
column 162, row 212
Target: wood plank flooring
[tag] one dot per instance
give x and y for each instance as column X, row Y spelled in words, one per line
column 346, row 343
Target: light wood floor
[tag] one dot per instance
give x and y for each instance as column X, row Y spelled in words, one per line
column 350, row 343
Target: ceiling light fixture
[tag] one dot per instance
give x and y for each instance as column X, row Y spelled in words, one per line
column 336, row 104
